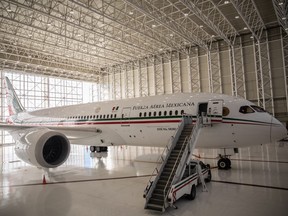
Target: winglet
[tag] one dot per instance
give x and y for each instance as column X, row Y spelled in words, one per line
column 14, row 104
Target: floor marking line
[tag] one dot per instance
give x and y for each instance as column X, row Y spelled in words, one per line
column 75, row 181
column 252, row 185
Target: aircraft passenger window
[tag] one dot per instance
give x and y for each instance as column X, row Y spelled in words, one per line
column 160, row 113
column 257, row 108
column 225, row 111
column 155, row 113
column 111, row 116
column 149, row 114
column 182, row 112
column 107, row 116
column 97, row 116
column 176, row 112
column 171, row 112
column 100, row 116
column 165, row 113
column 115, row 115
column 140, row 114
column 246, row 110
column 145, row 114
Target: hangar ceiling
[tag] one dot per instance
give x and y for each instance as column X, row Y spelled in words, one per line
column 81, row 39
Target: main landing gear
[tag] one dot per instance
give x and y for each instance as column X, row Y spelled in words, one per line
column 224, row 162
column 98, row 149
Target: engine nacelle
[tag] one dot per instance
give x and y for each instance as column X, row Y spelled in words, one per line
column 42, row 147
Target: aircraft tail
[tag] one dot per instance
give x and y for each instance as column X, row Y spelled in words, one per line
column 13, row 102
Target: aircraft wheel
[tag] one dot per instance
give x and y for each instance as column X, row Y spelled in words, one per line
column 223, row 163
column 228, row 163
column 192, row 194
column 209, row 177
column 92, row 148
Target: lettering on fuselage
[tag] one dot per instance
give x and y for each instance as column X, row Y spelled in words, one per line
column 161, row 106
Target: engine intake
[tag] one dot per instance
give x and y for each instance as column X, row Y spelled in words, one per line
column 43, row 148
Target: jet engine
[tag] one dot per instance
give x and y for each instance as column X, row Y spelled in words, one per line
column 42, row 147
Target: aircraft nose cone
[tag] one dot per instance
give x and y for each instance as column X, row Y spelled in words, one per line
column 278, row 131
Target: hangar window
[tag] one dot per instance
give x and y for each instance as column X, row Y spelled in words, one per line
column 246, row 109
column 257, row 108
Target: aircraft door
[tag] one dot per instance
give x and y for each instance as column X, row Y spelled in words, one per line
column 215, row 111
column 125, row 117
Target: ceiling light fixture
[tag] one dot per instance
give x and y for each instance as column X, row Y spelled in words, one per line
column 226, row 2
column 236, row 17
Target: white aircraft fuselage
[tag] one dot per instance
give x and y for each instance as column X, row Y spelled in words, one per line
column 151, row 121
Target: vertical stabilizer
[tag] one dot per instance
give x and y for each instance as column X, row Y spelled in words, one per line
column 13, row 102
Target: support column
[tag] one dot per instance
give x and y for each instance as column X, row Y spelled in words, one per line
column 158, row 74
column 237, row 69
column 193, row 69
column 263, row 74
column 214, row 72
column 284, row 43
column 175, row 72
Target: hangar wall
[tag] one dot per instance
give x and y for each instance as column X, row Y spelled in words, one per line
column 254, row 71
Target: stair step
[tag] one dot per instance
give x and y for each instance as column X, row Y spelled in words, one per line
column 156, row 201
column 154, row 207
column 158, row 196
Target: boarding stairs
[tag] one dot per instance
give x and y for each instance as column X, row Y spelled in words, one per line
column 172, row 164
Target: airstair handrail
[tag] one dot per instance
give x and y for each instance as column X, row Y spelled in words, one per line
column 162, row 161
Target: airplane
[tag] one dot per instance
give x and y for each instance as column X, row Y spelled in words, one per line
column 43, row 137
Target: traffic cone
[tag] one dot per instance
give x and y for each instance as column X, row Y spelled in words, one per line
column 44, row 180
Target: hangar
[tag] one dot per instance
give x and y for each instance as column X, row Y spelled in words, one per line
column 74, row 51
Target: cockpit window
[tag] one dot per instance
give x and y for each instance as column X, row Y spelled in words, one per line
column 257, row 108
column 246, row 109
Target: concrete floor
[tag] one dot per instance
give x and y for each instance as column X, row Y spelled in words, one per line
column 86, row 184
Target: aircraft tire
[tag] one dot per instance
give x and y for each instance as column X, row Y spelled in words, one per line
column 228, row 163
column 223, row 163
column 92, row 148
column 208, row 179
column 192, row 194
